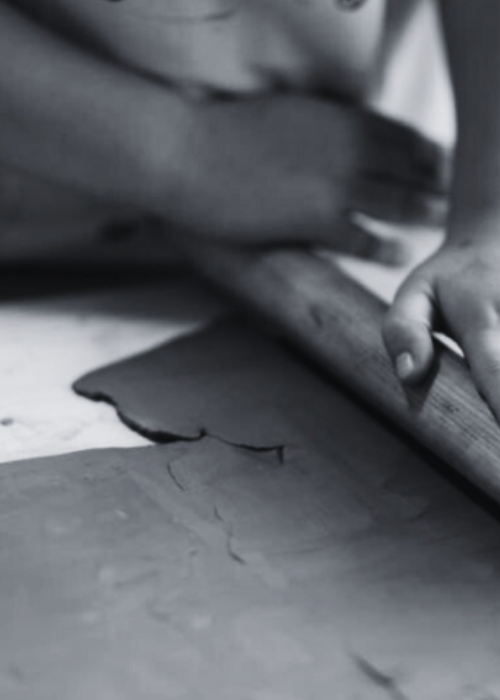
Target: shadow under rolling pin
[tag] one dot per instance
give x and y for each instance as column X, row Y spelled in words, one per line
column 338, row 323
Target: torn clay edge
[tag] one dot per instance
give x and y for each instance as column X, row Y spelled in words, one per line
column 163, row 437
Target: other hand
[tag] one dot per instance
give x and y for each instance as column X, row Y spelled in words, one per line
column 293, row 169
column 456, row 291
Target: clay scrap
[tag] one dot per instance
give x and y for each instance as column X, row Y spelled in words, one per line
column 228, row 381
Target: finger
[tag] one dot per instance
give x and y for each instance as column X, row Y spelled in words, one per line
column 407, row 330
column 401, row 152
column 350, row 238
column 394, row 202
column 482, row 351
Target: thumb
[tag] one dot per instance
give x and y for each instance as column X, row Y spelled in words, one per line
column 407, row 330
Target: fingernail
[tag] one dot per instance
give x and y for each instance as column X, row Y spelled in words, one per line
column 405, row 365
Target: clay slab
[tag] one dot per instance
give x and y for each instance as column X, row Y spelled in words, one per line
column 229, row 381
column 201, row 570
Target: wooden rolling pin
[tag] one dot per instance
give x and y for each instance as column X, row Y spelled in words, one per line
column 338, row 323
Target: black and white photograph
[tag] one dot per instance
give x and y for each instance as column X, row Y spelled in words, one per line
column 249, row 350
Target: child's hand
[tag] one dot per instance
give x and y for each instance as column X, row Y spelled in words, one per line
column 456, row 291
column 292, row 168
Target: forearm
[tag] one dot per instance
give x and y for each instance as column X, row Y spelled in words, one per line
column 71, row 118
column 472, row 31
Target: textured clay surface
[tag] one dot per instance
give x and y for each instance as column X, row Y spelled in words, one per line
column 203, row 570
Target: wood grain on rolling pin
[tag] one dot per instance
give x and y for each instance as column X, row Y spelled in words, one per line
column 338, row 323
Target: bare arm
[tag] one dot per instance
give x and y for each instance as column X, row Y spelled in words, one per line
column 472, row 32
column 276, row 167
column 458, row 289
column 70, row 117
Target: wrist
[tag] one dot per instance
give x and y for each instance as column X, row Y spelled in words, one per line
column 474, row 219
column 475, row 190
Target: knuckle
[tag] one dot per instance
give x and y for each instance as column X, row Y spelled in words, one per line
column 397, row 329
column 362, row 244
column 393, row 252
